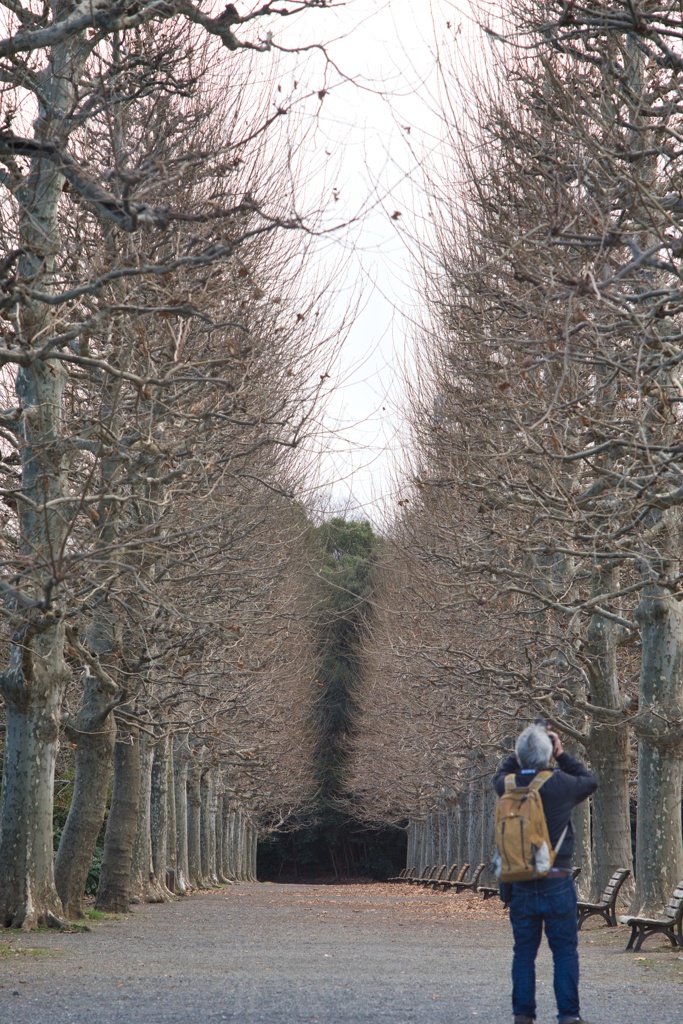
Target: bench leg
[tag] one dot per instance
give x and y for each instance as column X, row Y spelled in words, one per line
column 634, row 932
column 609, row 917
column 642, row 935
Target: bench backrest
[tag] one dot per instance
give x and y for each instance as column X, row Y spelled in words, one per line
column 431, row 874
column 463, row 871
column 612, row 888
column 477, row 874
column 442, row 872
column 674, row 908
column 454, row 868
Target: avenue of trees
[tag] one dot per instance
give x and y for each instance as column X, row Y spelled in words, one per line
column 160, row 371
column 191, row 658
column 536, row 564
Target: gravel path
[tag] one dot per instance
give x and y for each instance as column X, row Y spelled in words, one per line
column 333, row 954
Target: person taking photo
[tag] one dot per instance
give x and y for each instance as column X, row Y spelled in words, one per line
column 549, row 901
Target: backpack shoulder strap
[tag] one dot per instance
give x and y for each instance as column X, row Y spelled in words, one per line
column 510, row 782
column 540, row 779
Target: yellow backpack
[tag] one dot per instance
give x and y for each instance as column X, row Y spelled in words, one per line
column 523, row 844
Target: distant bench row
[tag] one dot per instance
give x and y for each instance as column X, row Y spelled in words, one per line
column 669, row 923
column 435, row 877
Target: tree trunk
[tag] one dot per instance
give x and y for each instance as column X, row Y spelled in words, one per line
column 181, row 754
column 194, row 827
column 114, row 890
column 228, row 858
column 463, row 838
column 143, row 883
column 490, row 800
column 410, row 845
column 583, row 854
column 220, row 869
column 610, row 755
column 94, row 733
column 172, row 850
column 159, row 815
column 659, row 847
column 205, row 829
column 253, row 851
column 454, row 834
column 212, row 787
column 28, row 897
column 476, row 825
column 33, row 684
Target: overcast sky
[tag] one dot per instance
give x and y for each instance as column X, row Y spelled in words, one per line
column 368, row 138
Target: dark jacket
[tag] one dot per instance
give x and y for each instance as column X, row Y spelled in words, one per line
column 571, row 783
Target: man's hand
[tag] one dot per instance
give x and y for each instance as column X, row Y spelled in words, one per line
column 557, row 744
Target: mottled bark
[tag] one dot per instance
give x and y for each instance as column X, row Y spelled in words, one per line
column 94, row 734
column 159, row 816
column 490, row 800
column 181, row 756
column 28, row 897
column 213, row 816
column 114, row 891
column 206, row 832
column 194, row 826
column 454, row 834
column 33, row 684
column 464, row 837
column 172, row 845
column 475, row 851
column 583, row 854
column 228, row 857
column 608, row 746
column 143, row 882
column 252, row 851
column 218, row 826
column 659, row 847
column 411, row 845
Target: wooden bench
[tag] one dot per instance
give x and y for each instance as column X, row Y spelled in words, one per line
column 439, row 878
column 445, row 882
column 489, row 891
column 607, row 904
column 472, row 884
column 402, row 876
column 449, row 883
column 416, row 879
column 431, row 877
column 669, row 924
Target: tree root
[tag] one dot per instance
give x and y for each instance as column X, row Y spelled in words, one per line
column 65, row 926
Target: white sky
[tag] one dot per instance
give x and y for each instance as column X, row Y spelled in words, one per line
column 358, row 144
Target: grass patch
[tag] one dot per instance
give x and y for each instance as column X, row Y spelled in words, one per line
column 102, row 915
column 7, row 949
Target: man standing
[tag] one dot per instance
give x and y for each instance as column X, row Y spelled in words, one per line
column 549, row 901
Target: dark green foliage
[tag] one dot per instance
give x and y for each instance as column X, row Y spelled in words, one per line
column 93, row 879
column 336, row 844
column 64, row 790
column 345, row 552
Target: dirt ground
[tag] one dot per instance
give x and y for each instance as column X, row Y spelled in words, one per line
column 317, row 954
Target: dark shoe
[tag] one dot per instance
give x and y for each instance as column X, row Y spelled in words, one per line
column 520, row 1018
column 572, row 1020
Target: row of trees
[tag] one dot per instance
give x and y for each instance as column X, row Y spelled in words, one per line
column 536, row 565
column 161, row 370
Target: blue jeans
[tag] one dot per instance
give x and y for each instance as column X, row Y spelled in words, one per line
column 550, row 902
